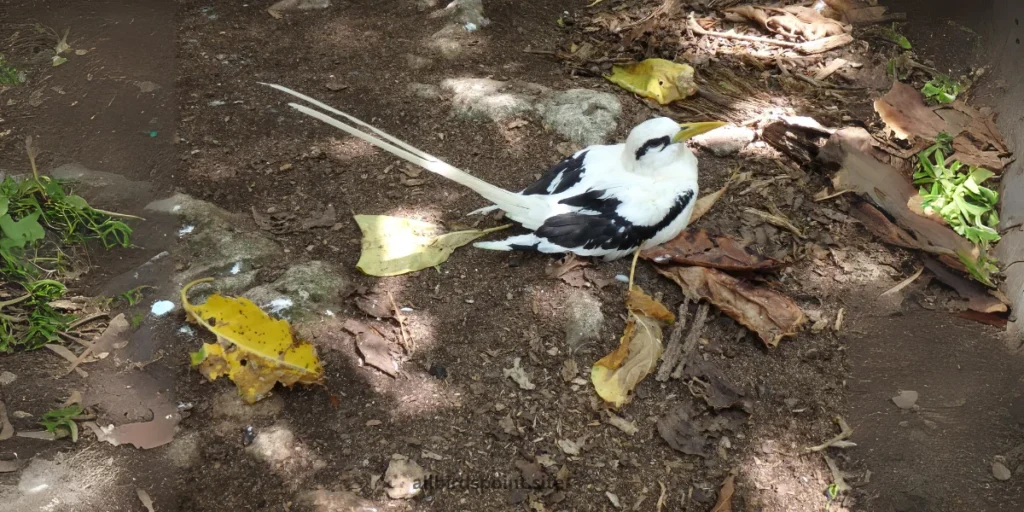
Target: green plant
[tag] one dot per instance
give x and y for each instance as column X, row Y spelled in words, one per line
column 62, row 421
column 942, row 89
column 137, row 319
column 895, row 36
column 955, row 191
column 133, row 296
column 8, row 74
column 38, row 215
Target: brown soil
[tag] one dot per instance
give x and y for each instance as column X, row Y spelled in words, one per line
column 483, row 309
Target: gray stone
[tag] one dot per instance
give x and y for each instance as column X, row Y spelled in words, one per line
column 469, row 14
column 584, row 319
column 6, row 378
column 416, row 62
column 404, row 478
column 1001, row 472
column 425, row 91
column 583, row 116
column 102, row 188
column 300, row 5
column 307, row 285
column 725, row 141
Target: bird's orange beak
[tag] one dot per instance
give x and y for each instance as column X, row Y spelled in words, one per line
column 690, row 130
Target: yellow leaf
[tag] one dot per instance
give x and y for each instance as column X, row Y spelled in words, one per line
column 662, row 80
column 618, row 373
column 254, row 350
column 639, row 302
column 393, row 245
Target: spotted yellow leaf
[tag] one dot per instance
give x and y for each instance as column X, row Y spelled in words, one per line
column 661, row 80
column 394, row 245
column 254, row 350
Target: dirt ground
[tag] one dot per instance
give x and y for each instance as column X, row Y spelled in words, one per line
column 211, row 131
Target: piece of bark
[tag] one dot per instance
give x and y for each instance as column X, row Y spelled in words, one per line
column 673, row 349
column 799, row 138
column 978, row 298
column 905, row 114
column 698, row 247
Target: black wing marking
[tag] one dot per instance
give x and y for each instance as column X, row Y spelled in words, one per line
column 563, row 175
column 604, row 229
column 660, row 142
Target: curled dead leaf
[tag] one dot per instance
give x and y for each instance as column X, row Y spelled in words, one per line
column 642, row 304
column 771, row 315
column 699, row 248
column 906, row 116
column 617, row 374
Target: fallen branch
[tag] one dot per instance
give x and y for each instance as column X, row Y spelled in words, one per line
column 837, row 476
column 691, row 339
column 673, row 351
column 839, row 441
column 810, row 47
column 401, row 325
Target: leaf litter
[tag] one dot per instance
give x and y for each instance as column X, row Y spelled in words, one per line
column 618, row 373
column 373, row 347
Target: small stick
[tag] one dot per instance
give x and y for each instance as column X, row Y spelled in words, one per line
column 401, row 324
column 75, row 339
column 539, row 52
column 674, row 349
column 903, row 284
column 845, row 434
column 83, row 321
column 837, row 476
column 691, row 339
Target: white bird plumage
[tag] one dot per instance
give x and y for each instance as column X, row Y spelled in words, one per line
column 605, row 200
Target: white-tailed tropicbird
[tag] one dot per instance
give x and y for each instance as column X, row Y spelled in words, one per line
column 605, row 200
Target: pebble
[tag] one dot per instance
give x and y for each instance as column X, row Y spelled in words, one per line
column 6, row 378
column 1000, row 471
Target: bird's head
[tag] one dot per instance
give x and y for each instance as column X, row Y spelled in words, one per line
column 659, row 142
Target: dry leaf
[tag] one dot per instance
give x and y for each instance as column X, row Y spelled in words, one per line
column 642, row 304
column 393, row 245
column 704, row 204
column 568, row 447
column 376, row 351
column 112, row 337
column 661, row 80
column 693, row 433
column 570, row 370
column 697, row 247
column 629, row 427
column 724, row 503
column 569, row 270
column 978, row 298
column 878, row 224
column 519, row 375
column 145, row 499
column 793, row 22
column 375, row 305
column 618, row 373
column 771, row 315
column 324, row 219
column 905, row 114
column 888, row 188
column 254, row 350
column 143, row 435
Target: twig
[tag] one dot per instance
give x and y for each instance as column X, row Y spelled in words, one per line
column 692, row 338
column 819, row 198
column 776, row 220
column 14, row 301
column 903, row 284
column 674, row 349
column 115, row 214
column 75, row 339
column 401, row 325
column 539, row 52
column 839, row 441
column 691, row 24
column 837, row 476
column 83, row 321
column 664, row 495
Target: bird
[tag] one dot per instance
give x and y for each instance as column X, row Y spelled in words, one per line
column 604, row 201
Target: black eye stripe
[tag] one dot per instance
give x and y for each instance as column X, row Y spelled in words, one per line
column 660, row 142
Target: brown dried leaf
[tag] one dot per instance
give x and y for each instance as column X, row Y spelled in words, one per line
column 705, row 203
column 642, row 304
column 698, row 247
column 978, row 298
column 889, row 189
column 724, row 503
column 569, row 270
column 968, row 152
column 324, row 219
column 375, row 305
column 905, row 114
column 376, row 351
column 688, row 431
column 878, row 224
column 144, row 435
column 771, row 315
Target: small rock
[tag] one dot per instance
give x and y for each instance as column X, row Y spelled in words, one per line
column 404, row 478
column 725, row 141
column 438, row 370
column 6, row 378
column 584, row 319
column 335, row 85
column 581, row 115
column 21, row 415
column 905, row 400
column 1000, row 471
